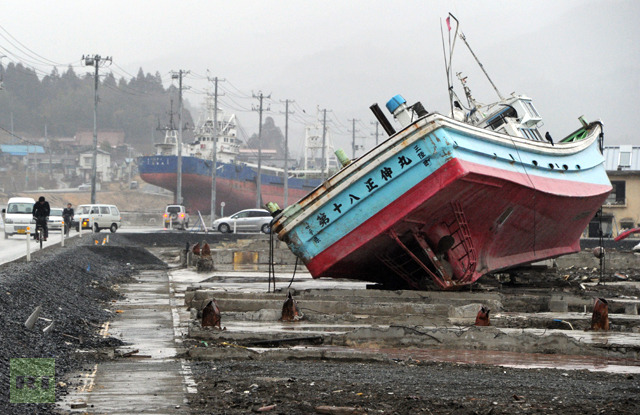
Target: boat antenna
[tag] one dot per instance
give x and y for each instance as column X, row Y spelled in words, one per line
column 464, row 39
column 446, row 68
column 447, row 62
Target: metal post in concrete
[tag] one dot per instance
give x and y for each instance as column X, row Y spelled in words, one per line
column 62, row 231
column 234, row 227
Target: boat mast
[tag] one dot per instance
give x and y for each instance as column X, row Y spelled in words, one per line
column 447, row 62
column 464, row 39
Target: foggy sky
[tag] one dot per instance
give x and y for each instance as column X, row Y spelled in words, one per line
column 572, row 57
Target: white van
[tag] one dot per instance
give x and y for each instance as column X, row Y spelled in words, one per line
column 18, row 216
column 101, row 216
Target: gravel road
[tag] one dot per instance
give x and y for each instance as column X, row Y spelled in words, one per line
column 74, row 286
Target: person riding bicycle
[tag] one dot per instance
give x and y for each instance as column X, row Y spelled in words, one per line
column 40, row 212
column 67, row 215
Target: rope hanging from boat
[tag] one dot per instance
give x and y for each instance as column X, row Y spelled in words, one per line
column 294, row 273
column 535, row 207
column 600, row 232
column 272, row 272
column 272, row 269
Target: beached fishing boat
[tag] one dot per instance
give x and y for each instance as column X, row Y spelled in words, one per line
column 448, row 199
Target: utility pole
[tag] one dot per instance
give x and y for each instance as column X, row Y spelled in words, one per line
column 35, row 168
column 324, row 144
column 178, row 194
column 49, row 147
column 353, row 138
column 286, row 151
column 96, row 61
column 260, row 97
column 214, row 151
column 26, row 170
column 377, row 124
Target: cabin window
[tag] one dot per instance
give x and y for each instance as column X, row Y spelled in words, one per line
column 499, row 119
column 531, row 109
column 625, row 159
column 617, row 195
column 531, row 134
column 537, row 134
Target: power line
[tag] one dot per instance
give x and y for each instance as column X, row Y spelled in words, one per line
column 239, row 91
column 50, row 62
column 17, row 136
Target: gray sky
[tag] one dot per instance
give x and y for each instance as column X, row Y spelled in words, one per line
column 572, row 57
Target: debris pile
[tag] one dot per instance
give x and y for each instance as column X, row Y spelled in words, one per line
column 71, row 287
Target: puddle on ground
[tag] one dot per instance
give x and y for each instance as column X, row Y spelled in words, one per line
column 519, row 360
column 500, row 358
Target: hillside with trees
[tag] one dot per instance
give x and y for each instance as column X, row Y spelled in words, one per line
column 64, row 103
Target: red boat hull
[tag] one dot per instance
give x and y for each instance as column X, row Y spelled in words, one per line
column 519, row 214
column 235, row 194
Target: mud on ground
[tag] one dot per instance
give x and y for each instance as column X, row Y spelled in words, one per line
column 408, row 387
column 302, row 384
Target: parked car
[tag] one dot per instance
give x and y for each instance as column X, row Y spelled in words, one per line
column 102, row 217
column 18, row 216
column 84, row 187
column 55, row 219
column 248, row 220
column 176, row 216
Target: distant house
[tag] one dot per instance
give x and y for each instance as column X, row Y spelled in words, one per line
column 12, row 153
column 103, row 166
column 113, row 138
column 622, row 208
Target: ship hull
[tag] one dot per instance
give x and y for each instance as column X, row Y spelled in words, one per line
column 235, row 183
column 446, row 203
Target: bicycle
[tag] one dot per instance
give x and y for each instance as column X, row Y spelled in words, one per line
column 39, row 235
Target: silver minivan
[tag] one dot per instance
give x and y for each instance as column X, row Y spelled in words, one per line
column 248, row 220
column 97, row 216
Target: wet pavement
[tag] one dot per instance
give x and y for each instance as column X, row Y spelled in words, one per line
column 154, row 380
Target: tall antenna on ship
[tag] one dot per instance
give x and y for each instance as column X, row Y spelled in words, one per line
column 447, row 61
column 464, row 39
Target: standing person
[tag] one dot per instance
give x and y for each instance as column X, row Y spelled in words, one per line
column 67, row 215
column 40, row 212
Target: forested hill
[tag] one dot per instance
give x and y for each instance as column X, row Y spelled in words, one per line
column 64, row 103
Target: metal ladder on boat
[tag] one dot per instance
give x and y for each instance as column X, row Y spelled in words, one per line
column 463, row 236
